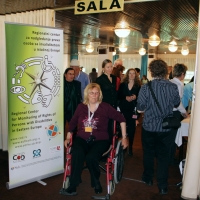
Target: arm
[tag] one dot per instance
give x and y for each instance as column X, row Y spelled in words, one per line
column 141, row 101
column 79, row 92
column 120, row 94
column 124, row 138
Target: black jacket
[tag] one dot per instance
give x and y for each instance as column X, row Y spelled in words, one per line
column 72, row 97
column 108, row 89
column 123, row 91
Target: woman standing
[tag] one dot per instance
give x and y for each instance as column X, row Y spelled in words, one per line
column 156, row 140
column 127, row 94
column 107, row 83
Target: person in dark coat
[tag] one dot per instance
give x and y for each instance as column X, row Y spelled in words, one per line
column 72, row 95
column 93, row 75
column 127, row 95
column 107, row 82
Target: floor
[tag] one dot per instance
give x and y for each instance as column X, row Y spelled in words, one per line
column 129, row 188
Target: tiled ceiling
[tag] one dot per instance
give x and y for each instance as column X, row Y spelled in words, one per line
column 169, row 19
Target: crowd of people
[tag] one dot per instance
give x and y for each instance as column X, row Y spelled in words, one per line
column 91, row 104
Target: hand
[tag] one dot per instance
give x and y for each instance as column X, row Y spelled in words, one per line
column 128, row 98
column 133, row 97
column 67, row 141
column 124, row 143
column 185, row 115
column 136, row 122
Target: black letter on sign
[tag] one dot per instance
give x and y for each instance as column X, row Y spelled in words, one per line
column 92, row 6
column 82, row 6
column 101, row 6
column 115, row 3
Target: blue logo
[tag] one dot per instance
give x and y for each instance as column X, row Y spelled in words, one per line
column 36, row 153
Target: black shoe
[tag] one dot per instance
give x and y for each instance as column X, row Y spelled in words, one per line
column 70, row 191
column 163, row 190
column 98, row 188
column 148, row 182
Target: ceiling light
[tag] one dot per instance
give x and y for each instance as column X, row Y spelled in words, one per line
column 89, row 48
column 122, row 30
column 142, row 51
column 173, row 46
column 154, row 40
column 185, row 50
column 114, row 53
column 123, row 48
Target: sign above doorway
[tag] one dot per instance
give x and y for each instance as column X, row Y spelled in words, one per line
column 98, row 6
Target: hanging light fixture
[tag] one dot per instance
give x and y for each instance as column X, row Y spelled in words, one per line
column 185, row 50
column 123, row 48
column 142, row 51
column 173, row 46
column 90, row 47
column 154, row 40
column 122, row 30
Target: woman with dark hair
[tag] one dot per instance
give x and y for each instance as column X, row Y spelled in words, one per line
column 127, row 95
column 157, row 141
column 178, row 73
column 107, row 82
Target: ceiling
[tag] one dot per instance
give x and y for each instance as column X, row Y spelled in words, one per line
column 169, row 19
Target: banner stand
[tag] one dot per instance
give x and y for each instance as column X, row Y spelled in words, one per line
column 42, row 183
column 36, row 179
column 34, row 60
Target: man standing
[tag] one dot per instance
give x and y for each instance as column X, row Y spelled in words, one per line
column 118, row 62
column 93, row 75
column 79, row 75
column 72, row 96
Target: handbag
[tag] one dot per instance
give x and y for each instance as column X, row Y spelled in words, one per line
column 170, row 121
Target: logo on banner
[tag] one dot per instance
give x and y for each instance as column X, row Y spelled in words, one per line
column 52, row 131
column 19, row 157
column 55, row 149
column 35, row 95
column 37, row 153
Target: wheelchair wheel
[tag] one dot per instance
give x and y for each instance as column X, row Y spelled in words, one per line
column 66, row 183
column 112, row 187
column 119, row 163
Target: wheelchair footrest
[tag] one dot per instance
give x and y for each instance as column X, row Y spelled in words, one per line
column 63, row 192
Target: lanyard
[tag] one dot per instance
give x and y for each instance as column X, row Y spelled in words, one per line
column 90, row 117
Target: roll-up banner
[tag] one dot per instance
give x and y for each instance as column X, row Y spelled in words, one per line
column 34, row 58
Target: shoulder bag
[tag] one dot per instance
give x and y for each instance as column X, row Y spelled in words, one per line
column 170, row 121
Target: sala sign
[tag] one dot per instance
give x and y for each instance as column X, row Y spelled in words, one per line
column 98, row 6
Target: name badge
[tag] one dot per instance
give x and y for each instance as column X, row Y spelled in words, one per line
column 134, row 116
column 88, row 129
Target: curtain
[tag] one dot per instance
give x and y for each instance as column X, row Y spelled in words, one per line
column 144, row 65
column 88, row 62
column 131, row 60
column 37, row 17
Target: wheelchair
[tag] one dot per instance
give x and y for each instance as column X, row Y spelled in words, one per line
column 113, row 167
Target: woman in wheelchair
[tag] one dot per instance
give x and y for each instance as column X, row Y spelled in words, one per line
column 92, row 139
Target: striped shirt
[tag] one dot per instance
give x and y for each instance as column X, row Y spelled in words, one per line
column 168, row 97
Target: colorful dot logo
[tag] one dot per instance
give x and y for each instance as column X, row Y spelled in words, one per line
column 52, row 131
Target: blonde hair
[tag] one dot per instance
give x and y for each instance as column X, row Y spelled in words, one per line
column 90, row 87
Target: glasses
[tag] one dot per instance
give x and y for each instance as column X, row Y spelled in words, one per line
column 93, row 93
